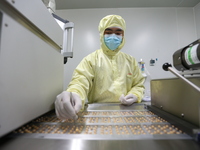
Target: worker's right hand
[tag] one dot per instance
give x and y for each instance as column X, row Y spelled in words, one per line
column 64, row 107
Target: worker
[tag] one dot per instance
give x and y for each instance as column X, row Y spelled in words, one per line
column 104, row 76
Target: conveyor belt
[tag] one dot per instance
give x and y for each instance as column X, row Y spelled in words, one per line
column 103, row 123
column 98, row 124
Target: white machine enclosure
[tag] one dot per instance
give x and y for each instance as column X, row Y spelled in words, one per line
column 31, row 68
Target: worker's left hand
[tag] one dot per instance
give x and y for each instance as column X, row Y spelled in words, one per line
column 128, row 99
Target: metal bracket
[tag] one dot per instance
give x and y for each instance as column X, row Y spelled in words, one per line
column 68, row 41
column 168, row 67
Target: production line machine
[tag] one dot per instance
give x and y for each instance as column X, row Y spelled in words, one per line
column 105, row 126
column 102, row 126
column 28, row 120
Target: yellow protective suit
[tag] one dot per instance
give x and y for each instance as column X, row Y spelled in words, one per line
column 104, row 75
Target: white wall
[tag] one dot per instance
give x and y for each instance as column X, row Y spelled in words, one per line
column 151, row 33
column 197, row 18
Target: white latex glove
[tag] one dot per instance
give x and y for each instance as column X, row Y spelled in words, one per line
column 128, row 99
column 64, row 108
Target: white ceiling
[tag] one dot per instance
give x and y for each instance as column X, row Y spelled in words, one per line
column 85, row 4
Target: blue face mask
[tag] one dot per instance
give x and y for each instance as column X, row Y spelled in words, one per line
column 112, row 41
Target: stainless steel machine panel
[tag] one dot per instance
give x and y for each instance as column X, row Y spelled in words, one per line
column 177, row 97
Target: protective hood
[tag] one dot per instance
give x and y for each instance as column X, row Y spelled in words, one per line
column 107, row 22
